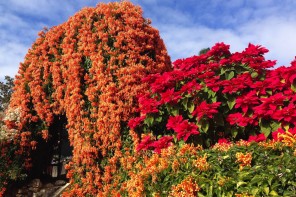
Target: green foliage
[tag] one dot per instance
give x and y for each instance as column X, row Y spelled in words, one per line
column 203, row 51
column 217, row 171
column 6, row 89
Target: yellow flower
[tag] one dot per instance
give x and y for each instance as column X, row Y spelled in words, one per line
column 201, row 163
column 187, row 188
column 243, row 159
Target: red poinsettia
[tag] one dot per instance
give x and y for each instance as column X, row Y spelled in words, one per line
column 246, row 101
column 238, row 119
column 136, row 121
column 205, row 109
column 148, row 105
column 183, row 128
column 174, row 121
column 275, row 134
column 145, row 144
column 236, row 84
column 223, row 141
column 257, row 138
column 287, row 114
column 163, row 142
column 170, row 96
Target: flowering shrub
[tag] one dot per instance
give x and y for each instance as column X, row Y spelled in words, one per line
column 88, row 69
column 11, row 165
column 218, row 95
column 227, row 169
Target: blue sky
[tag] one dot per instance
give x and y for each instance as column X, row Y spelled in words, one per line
column 185, row 25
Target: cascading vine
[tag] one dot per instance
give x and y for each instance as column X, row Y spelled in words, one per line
column 88, row 69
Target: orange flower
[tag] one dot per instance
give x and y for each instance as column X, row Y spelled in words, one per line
column 187, row 188
column 243, row 159
column 89, row 69
column 33, row 144
column 201, row 163
column 175, row 165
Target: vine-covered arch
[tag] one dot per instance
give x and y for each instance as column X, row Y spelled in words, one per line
column 90, row 69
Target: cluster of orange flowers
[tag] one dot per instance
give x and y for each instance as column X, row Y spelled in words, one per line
column 89, row 69
column 243, row 159
column 201, row 163
column 187, row 188
column 288, row 138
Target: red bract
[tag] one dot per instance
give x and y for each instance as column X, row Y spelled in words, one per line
column 145, row 144
column 238, row 119
column 206, row 110
column 223, row 141
column 274, row 101
column 254, row 50
column 136, row 121
column 148, row 105
column 170, row 96
column 163, row 142
column 263, row 111
column 190, row 87
column 247, row 101
column 174, row 121
column 257, row 138
column 213, row 83
column 287, row 114
column 260, row 87
column 185, row 130
column 236, row 84
column 275, row 134
column 219, row 50
column 162, row 82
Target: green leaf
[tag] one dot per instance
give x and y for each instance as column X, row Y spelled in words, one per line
column 254, row 75
column 255, row 191
column 214, row 99
column 158, row 119
column 231, row 102
column 175, row 111
column 293, row 87
column 200, row 194
column 234, row 132
column 273, row 193
column 190, row 107
column 223, row 70
column 266, row 190
column 265, row 127
column 149, row 120
column 256, row 179
column 211, row 94
column 270, row 178
column 204, row 125
column 275, row 126
column 184, row 103
column 240, row 183
column 269, row 92
column 229, row 75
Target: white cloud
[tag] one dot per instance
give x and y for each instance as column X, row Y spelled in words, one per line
column 186, row 26
column 11, row 54
column 276, row 34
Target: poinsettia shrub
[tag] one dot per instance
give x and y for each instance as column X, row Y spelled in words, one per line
column 217, row 95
